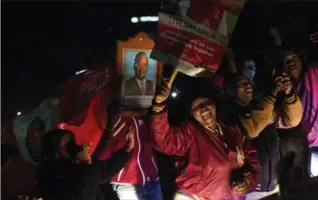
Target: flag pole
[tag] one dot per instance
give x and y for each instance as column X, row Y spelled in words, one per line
column 172, row 77
column 160, row 98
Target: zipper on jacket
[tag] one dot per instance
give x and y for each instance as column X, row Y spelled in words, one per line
column 139, row 150
column 154, row 164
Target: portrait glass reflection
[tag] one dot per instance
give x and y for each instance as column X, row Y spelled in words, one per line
column 139, row 78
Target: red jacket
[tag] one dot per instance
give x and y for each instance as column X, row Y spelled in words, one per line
column 142, row 167
column 210, row 160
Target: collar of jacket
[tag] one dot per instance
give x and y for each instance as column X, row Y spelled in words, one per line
column 241, row 108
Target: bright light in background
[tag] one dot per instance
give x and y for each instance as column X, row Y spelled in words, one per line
column 174, row 94
column 148, row 18
column 81, row 71
column 144, row 19
column 61, row 126
column 134, row 20
column 19, row 113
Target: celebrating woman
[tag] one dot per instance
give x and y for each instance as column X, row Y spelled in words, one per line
column 219, row 162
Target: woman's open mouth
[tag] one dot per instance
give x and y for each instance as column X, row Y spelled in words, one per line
column 206, row 115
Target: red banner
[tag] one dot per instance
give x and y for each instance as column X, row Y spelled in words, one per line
column 188, row 44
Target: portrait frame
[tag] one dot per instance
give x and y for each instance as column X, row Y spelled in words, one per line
column 140, row 42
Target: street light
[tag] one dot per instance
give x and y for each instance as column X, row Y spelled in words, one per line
column 134, row 20
column 149, row 18
column 19, row 113
column 81, row 71
column 174, row 94
column 142, row 19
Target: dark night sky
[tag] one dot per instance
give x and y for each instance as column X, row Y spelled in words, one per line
column 43, row 43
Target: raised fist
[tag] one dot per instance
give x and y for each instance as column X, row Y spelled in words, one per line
column 130, row 140
column 287, row 85
column 163, row 94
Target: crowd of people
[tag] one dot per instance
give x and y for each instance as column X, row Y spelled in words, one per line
column 231, row 150
column 237, row 145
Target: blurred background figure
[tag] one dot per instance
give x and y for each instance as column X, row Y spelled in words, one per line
column 68, row 171
column 249, row 69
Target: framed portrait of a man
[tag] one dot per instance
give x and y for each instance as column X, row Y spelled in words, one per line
column 139, row 73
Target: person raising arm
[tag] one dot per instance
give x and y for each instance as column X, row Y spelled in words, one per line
column 220, row 162
column 288, row 114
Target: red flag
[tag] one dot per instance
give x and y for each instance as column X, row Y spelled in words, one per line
column 76, row 94
column 78, row 105
column 83, row 104
column 91, row 129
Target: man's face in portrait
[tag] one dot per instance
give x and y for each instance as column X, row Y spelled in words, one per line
column 141, row 66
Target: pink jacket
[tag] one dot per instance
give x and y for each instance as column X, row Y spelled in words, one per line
column 210, row 159
column 142, row 167
column 308, row 93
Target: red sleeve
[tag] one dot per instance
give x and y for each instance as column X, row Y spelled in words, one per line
column 169, row 139
column 252, row 174
column 113, row 139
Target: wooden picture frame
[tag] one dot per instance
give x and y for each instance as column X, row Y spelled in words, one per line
column 133, row 58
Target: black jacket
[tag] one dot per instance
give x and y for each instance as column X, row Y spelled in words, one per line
column 294, row 153
column 266, row 144
column 63, row 180
column 267, row 147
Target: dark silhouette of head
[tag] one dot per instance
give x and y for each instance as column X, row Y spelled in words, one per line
column 59, row 144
